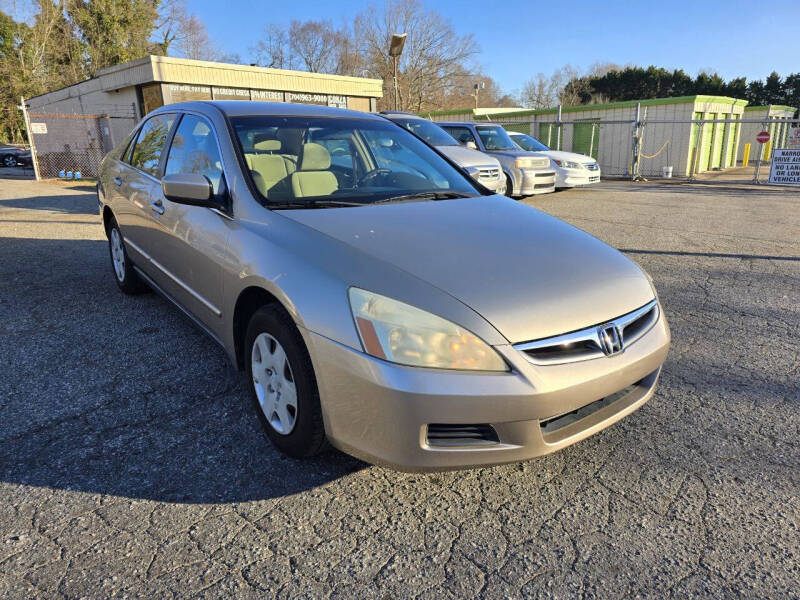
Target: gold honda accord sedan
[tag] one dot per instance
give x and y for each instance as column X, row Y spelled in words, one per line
column 378, row 298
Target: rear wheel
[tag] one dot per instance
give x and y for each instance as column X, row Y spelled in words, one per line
column 9, row 160
column 282, row 384
column 127, row 279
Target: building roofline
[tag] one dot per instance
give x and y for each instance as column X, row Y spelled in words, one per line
column 588, row 107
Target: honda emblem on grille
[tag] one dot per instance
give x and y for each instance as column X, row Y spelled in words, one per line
column 610, row 339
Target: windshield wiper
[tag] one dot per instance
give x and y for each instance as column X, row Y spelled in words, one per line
column 424, row 196
column 325, row 203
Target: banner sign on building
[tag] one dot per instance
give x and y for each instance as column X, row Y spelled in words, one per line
column 307, row 98
column 267, row 95
column 793, row 139
column 785, row 168
column 337, row 101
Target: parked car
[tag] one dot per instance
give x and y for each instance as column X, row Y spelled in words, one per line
column 485, row 169
column 527, row 173
column 12, row 155
column 572, row 169
column 411, row 319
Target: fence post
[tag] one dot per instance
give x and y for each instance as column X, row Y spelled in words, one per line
column 635, row 144
column 558, row 129
column 34, row 158
column 696, row 155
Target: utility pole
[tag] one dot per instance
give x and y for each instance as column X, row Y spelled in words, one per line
column 34, row 158
column 478, row 86
column 395, row 50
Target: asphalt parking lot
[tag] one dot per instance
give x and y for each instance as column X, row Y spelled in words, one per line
column 132, row 464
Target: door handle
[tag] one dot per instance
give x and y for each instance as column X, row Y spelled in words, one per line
column 117, row 182
column 157, row 206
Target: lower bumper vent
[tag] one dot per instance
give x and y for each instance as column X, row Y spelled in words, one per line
column 443, row 436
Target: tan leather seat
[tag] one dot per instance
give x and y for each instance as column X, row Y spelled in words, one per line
column 268, row 170
column 314, row 177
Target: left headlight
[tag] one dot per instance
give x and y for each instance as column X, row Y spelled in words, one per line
column 567, row 164
column 401, row 333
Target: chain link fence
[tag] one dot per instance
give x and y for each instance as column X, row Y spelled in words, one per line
column 73, row 144
column 689, row 149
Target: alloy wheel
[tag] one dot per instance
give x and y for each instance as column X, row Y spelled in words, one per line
column 274, row 383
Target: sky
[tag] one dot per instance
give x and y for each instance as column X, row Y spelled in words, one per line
column 519, row 39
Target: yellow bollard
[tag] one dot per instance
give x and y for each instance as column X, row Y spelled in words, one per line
column 746, row 155
column 767, row 150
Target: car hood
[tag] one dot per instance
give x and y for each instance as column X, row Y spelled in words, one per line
column 467, row 157
column 573, row 156
column 527, row 273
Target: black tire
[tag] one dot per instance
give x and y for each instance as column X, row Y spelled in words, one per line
column 509, row 187
column 307, row 437
column 129, row 282
column 8, row 160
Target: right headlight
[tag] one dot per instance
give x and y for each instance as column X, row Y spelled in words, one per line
column 567, row 164
column 401, row 333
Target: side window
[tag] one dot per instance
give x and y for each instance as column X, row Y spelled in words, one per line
column 462, row 134
column 194, row 150
column 146, row 152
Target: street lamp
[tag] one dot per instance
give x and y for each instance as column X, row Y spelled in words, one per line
column 395, row 50
column 478, row 86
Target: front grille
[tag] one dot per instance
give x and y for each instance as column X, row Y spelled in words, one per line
column 553, row 424
column 442, row 435
column 592, row 166
column 594, row 179
column 585, row 344
column 488, row 174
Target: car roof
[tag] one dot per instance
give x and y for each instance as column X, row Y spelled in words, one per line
column 468, row 123
column 242, row 108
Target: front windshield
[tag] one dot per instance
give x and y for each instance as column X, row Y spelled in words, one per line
column 428, row 131
column 527, row 142
column 331, row 161
column 495, row 137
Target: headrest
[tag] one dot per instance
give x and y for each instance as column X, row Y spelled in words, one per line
column 291, row 140
column 315, row 158
column 267, row 146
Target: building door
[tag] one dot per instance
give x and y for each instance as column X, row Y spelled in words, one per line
column 549, row 135
column 706, row 132
column 586, row 137
column 717, row 135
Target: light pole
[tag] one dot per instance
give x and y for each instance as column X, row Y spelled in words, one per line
column 478, row 86
column 395, row 50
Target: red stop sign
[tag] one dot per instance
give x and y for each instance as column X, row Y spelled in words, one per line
column 763, row 137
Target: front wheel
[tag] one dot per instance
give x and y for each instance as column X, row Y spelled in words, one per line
column 509, row 187
column 127, row 279
column 283, row 385
column 9, row 160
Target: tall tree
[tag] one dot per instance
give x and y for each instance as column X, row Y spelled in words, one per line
column 113, row 31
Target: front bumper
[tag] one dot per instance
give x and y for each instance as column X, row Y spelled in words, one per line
column 576, row 177
column 380, row 412
column 537, row 182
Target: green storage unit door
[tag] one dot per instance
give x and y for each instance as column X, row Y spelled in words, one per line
column 730, row 141
column 717, row 137
column 518, row 127
column 705, row 143
column 586, row 137
column 695, row 131
column 548, row 135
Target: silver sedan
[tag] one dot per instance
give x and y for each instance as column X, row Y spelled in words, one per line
column 377, row 298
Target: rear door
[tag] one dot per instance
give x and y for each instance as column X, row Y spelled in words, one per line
column 139, row 187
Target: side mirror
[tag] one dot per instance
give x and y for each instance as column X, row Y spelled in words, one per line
column 471, row 145
column 188, row 188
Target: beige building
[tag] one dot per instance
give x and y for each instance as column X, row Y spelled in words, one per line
column 128, row 91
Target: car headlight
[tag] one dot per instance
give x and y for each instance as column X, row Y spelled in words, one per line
column 529, row 163
column 567, row 164
column 400, row 333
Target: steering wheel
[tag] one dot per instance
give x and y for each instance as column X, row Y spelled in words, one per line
column 372, row 175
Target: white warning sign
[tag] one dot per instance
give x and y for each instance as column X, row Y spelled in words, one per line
column 785, row 168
